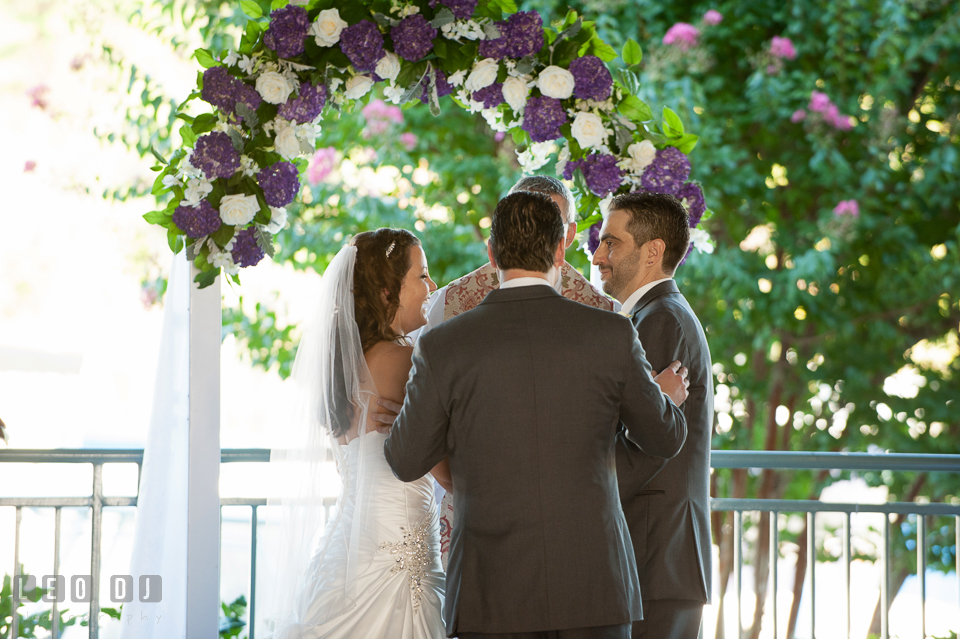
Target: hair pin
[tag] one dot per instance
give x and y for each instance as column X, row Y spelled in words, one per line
column 390, row 248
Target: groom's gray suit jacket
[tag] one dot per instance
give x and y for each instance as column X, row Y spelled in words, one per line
column 667, row 503
column 525, row 393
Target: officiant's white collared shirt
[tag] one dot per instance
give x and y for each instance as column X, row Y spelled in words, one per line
column 637, row 295
column 517, row 282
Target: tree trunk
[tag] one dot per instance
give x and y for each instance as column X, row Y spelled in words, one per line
column 798, row 578
column 900, row 575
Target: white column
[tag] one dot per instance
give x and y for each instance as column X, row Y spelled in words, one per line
column 203, row 497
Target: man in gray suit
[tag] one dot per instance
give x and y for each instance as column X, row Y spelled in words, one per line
column 541, row 548
column 667, row 503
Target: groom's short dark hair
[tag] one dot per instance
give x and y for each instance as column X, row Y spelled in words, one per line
column 656, row 216
column 526, row 229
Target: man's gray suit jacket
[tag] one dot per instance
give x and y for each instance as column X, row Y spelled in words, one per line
column 525, row 394
column 667, row 503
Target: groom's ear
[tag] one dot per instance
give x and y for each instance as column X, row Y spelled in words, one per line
column 493, row 262
column 560, row 254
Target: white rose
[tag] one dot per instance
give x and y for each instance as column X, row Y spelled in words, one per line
column 238, row 209
column 588, row 130
column 273, row 87
column 357, row 87
column 287, row 144
column 642, row 154
column 389, row 67
column 327, row 27
column 515, row 93
column 278, row 219
column 555, row 82
column 483, row 75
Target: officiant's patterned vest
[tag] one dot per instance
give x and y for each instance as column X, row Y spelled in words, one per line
column 467, row 292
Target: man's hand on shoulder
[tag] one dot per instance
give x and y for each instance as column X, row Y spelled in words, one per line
column 673, row 381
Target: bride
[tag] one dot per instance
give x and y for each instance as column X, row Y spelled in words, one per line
column 374, row 569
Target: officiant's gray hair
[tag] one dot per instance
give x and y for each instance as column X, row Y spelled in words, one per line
column 549, row 186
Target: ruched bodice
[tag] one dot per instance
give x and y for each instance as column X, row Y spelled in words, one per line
column 391, row 583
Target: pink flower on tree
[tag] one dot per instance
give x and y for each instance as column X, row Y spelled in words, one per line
column 798, row 116
column 713, row 17
column 847, row 207
column 408, row 140
column 29, row 166
column 321, row 165
column 38, row 96
column 782, row 48
column 819, row 102
column 380, row 116
column 683, row 35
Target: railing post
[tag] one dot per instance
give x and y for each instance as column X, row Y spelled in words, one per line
column 846, row 565
column 885, row 581
column 738, row 566
column 253, row 571
column 774, row 557
column 203, row 465
column 15, row 586
column 55, row 621
column 922, row 572
column 812, row 561
column 956, row 556
column 96, row 533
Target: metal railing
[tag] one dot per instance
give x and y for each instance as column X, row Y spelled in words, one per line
column 720, row 459
column 776, row 460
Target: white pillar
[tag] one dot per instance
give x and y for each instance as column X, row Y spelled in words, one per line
column 203, row 475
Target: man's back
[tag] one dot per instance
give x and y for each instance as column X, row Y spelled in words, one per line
column 540, row 541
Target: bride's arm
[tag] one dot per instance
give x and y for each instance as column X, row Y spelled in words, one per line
column 390, row 373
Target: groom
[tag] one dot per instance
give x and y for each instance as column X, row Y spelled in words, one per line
column 540, row 548
column 667, row 503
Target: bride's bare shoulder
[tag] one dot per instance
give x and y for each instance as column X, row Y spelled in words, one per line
column 389, row 364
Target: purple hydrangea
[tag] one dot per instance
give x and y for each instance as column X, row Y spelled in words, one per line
column 287, row 31
column 413, row 37
column 246, row 252
column 280, row 183
column 215, row 156
column 220, row 88
column 684, row 260
column 362, row 43
column 667, row 173
column 520, row 35
column 593, row 237
column 600, row 171
column 313, row 97
column 490, row 96
column 543, row 118
column 248, row 95
column 692, row 196
column 443, row 87
column 197, row 221
column 592, row 80
column 462, row 9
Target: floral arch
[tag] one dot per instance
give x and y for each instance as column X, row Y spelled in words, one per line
column 548, row 87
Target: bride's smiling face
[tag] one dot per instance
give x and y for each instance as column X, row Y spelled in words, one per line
column 414, row 291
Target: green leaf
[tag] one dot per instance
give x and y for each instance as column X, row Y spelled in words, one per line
column 175, row 239
column 672, row 126
column 588, row 222
column 278, row 4
column 205, row 58
column 189, row 137
column 635, row 109
column 251, row 8
column 157, row 155
column 204, row 123
column 206, row 278
column 602, row 50
column 632, row 53
column 686, row 143
column 162, row 218
column 507, row 6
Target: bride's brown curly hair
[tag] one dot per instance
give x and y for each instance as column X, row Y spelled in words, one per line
column 383, row 259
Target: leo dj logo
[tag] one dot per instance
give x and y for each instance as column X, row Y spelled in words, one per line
column 54, row 588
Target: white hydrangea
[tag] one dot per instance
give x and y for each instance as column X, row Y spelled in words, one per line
column 701, row 241
column 278, row 220
column 231, row 58
column 223, row 260
column 247, row 64
column 171, row 181
column 393, row 94
column 457, row 78
column 537, row 155
column 562, row 159
column 494, row 119
column 248, row 166
column 197, row 189
column 463, row 29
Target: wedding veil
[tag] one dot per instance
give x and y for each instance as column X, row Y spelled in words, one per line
column 333, row 386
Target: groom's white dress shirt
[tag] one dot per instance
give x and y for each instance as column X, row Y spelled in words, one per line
column 636, row 296
column 517, row 282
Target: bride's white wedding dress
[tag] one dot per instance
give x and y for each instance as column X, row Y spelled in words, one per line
column 399, row 581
